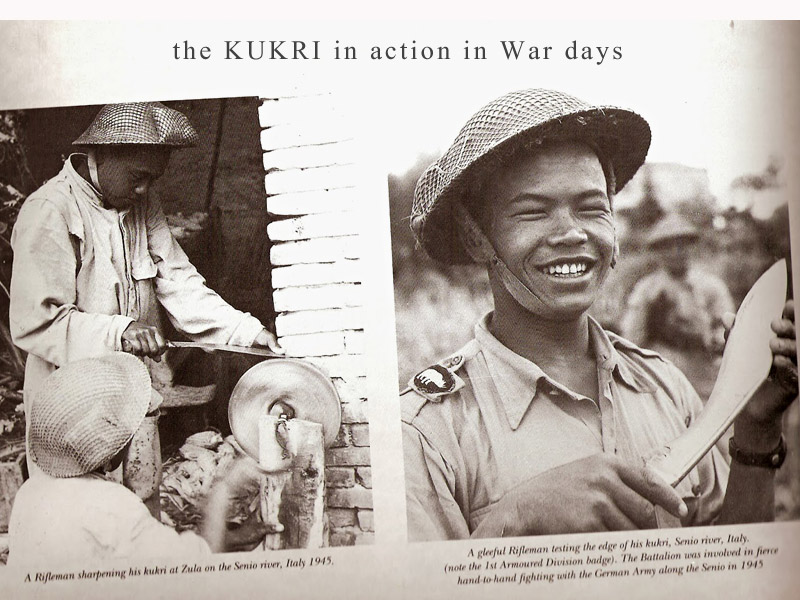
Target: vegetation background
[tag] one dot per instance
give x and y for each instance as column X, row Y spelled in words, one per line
column 436, row 306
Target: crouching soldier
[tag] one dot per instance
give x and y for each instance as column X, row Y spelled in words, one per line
column 81, row 422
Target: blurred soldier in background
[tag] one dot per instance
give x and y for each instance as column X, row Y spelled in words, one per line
column 677, row 310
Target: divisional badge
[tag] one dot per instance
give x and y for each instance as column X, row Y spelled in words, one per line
column 436, row 381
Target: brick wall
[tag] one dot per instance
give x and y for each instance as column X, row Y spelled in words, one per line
column 316, row 276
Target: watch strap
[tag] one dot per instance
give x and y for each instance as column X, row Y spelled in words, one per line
column 767, row 460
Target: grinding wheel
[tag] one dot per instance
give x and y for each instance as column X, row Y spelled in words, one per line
column 295, row 383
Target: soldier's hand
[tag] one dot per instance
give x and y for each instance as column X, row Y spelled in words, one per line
column 597, row 493
column 784, row 353
column 143, row 340
column 267, row 339
column 246, row 535
column 761, row 417
column 243, row 473
column 239, row 479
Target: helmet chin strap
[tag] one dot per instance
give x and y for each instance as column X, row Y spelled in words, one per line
column 481, row 251
column 615, row 253
column 91, row 160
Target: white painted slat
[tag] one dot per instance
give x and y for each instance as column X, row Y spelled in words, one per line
column 346, row 271
column 306, row 203
column 288, row 136
column 354, row 342
column 313, row 344
column 314, row 226
column 282, row 89
column 319, row 155
column 318, row 321
column 307, row 180
column 298, row 111
column 327, row 249
column 318, row 297
column 348, row 366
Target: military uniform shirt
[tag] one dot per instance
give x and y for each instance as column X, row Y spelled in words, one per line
column 83, row 273
column 509, row 422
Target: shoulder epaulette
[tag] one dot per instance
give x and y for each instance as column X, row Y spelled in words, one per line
column 439, row 379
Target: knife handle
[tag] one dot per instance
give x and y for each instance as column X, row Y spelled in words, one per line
column 126, row 346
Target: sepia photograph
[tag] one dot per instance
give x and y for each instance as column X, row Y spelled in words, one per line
column 430, row 308
column 599, row 388
column 181, row 361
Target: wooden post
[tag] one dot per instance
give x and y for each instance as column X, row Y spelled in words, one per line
column 293, row 489
column 304, row 504
column 272, row 486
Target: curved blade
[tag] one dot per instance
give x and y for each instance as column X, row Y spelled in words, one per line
column 745, row 365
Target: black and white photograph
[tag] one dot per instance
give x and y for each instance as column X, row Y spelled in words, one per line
column 140, row 294
column 414, row 301
column 576, row 380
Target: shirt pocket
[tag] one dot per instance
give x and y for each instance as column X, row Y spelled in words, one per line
column 143, row 268
column 143, row 273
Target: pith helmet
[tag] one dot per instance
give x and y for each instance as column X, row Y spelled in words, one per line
column 519, row 118
column 86, row 412
column 149, row 123
column 672, row 227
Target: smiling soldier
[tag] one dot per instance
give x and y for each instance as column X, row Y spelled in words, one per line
column 93, row 257
column 540, row 424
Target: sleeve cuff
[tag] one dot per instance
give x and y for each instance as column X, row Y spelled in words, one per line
column 119, row 325
column 246, row 331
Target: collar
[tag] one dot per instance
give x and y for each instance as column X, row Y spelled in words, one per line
column 517, row 378
column 609, row 358
column 83, row 186
column 91, row 161
column 86, row 189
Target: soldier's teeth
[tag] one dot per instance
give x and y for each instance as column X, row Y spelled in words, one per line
column 566, row 269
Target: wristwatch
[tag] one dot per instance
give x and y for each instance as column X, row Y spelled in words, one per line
column 767, row 460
